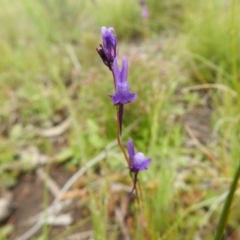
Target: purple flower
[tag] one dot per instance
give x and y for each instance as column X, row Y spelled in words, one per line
column 107, row 50
column 109, row 42
column 144, row 9
column 138, row 162
column 122, row 94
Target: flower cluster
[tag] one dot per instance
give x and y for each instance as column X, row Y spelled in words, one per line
column 108, row 53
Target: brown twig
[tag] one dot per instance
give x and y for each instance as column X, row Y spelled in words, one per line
column 201, row 147
column 121, row 224
column 51, row 184
column 211, row 86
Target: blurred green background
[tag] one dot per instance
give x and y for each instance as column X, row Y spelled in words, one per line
column 184, row 66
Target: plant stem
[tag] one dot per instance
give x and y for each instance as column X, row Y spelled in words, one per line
column 226, row 208
column 119, row 140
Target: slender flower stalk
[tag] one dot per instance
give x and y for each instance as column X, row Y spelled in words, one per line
column 119, row 141
column 107, row 51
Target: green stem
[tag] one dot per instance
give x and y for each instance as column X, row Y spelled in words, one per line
column 226, row 208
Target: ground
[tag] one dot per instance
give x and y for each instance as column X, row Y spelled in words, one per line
column 28, row 193
column 28, row 202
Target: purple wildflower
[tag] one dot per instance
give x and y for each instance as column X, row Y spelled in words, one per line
column 144, row 9
column 107, row 50
column 138, row 162
column 122, row 94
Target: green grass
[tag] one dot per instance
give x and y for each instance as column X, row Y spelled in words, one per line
column 215, row 51
column 215, row 39
column 49, row 70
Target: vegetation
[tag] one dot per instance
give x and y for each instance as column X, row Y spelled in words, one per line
column 184, row 66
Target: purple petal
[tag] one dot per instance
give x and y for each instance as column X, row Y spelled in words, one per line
column 115, row 99
column 110, row 29
column 140, row 162
column 103, row 30
column 109, row 43
column 124, row 71
column 116, row 71
column 146, row 163
column 144, row 11
column 131, row 150
column 132, row 97
column 123, row 97
column 107, row 32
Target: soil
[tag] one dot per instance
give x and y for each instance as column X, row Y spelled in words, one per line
column 28, row 201
column 198, row 119
column 28, row 194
